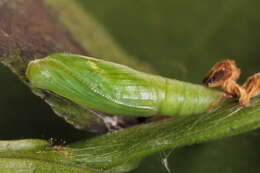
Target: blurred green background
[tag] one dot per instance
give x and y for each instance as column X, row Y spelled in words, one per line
column 180, row 39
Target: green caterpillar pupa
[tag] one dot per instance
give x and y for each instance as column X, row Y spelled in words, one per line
column 117, row 89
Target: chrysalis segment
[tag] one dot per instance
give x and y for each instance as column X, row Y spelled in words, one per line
column 116, row 89
column 97, row 84
column 183, row 98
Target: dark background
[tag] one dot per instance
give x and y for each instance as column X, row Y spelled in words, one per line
column 181, row 39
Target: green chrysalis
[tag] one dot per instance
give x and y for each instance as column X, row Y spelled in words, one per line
column 116, row 89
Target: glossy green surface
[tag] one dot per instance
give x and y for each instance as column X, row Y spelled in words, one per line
column 116, row 89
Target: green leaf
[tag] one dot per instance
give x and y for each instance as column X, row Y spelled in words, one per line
column 135, row 143
column 38, row 156
column 122, row 151
column 35, row 156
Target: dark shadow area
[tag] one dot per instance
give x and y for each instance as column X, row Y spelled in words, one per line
column 24, row 115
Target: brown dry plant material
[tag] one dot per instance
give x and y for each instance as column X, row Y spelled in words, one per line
column 225, row 73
